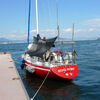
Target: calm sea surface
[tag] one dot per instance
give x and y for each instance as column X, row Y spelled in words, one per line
column 86, row 86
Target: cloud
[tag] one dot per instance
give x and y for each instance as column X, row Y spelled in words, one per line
column 14, row 35
column 33, row 31
column 95, row 22
column 89, row 29
column 67, row 30
column 46, row 32
column 22, row 35
column 80, row 30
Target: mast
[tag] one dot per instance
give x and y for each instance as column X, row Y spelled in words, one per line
column 29, row 22
column 73, row 51
column 57, row 21
column 58, row 25
column 73, row 37
column 37, row 23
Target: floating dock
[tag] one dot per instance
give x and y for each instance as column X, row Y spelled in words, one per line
column 11, row 86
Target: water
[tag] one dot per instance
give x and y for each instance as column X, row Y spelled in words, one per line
column 86, row 86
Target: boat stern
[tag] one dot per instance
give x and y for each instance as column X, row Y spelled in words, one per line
column 66, row 71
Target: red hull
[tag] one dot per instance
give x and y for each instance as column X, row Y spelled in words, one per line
column 57, row 72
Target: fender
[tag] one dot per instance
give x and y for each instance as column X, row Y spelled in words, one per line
column 22, row 63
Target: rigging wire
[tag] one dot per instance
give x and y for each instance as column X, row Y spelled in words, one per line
column 29, row 22
column 25, row 16
column 59, row 48
column 50, row 15
column 48, row 5
column 41, row 83
column 37, row 18
column 44, row 17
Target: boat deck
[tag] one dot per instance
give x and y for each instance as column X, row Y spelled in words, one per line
column 11, row 86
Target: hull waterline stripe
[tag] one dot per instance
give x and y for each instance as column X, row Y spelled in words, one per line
column 38, row 67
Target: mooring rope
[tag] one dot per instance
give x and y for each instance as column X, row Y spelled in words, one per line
column 40, row 86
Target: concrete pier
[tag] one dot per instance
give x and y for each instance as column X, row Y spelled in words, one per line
column 11, row 86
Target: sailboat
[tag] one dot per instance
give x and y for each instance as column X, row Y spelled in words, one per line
column 40, row 60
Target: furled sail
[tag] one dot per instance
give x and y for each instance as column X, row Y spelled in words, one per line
column 40, row 46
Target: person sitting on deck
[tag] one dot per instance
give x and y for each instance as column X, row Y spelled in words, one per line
column 44, row 38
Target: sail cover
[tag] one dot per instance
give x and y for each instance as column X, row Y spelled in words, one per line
column 40, row 46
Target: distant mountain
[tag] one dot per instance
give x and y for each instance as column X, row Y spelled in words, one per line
column 4, row 40
column 64, row 39
column 98, row 38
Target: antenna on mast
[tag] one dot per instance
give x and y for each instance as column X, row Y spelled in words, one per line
column 29, row 22
column 37, row 22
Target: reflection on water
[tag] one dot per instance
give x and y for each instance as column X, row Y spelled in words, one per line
column 52, row 89
column 88, row 80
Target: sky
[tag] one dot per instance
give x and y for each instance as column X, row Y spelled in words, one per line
column 85, row 14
